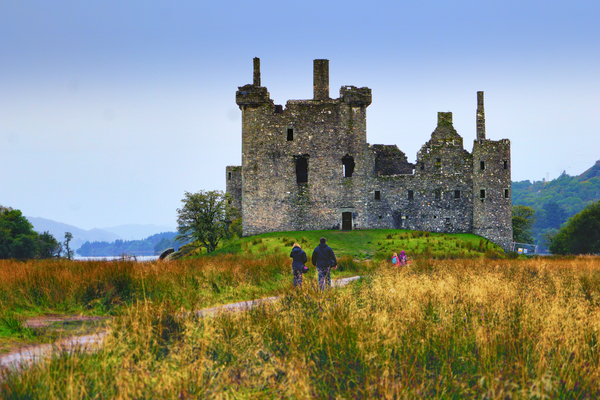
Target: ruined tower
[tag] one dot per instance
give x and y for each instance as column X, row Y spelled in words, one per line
column 491, row 185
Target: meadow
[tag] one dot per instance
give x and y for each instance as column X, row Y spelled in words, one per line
column 439, row 328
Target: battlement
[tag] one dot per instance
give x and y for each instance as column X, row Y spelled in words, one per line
column 252, row 96
column 356, row 96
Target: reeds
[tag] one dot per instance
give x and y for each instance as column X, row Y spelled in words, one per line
column 435, row 329
column 100, row 286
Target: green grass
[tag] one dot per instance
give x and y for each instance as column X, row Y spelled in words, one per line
column 369, row 244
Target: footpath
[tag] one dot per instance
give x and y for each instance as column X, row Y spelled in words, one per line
column 92, row 343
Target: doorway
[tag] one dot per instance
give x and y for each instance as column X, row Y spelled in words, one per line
column 346, row 221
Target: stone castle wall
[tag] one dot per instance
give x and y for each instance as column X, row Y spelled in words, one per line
column 308, row 166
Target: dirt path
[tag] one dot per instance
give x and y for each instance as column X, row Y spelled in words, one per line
column 28, row 354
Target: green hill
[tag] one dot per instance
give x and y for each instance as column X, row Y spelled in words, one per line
column 370, row 244
column 557, row 200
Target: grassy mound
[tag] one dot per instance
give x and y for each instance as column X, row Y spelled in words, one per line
column 371, row 244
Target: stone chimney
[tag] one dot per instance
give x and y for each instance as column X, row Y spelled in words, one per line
column 321, row 80
column 480, row 117
column 256, row 71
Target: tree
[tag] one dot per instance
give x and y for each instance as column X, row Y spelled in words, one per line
column 552, row 216
column 523, row 218
column 204, row 217
column 48, row 246
column 68, row 252
column 581, row 233
column 17, row 237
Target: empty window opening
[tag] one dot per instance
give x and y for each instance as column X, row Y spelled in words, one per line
column 482, row 165
column 505, row 163
column 380, row 217
column 422, row 166
column 447, row 221
column 435, row 217
column 377, row 195
column 438, row 194
column 438, row 160
column 482, row 194
column 278, row 108
column 411, row 195
column 348, row 165
column 457, row 194
column 506, row 193
column 229, row 175
column 301, row 169
column 290, row 134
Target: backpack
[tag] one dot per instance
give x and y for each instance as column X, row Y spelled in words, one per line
column 394, row 260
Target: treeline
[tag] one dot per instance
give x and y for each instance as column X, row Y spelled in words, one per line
column 18, row 240
column 558, row 200
column 152, row 245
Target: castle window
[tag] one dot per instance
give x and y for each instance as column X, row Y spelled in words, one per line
column 438, row 163
column 229, row 175
column 411, row 195
column 380, row 217
column 505, row 162
column 457, row 194
column 377, row 195
column 422, row 166
column 302, row 169
column 348, row 166
column 482, row 165
column 506, row 193
column 438, row 194
column 447, row 221
column 482, row 194
column 290, row 134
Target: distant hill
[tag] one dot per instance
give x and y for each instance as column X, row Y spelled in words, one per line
column 80, row 236
column 559, row 199
column 137, row 231
column 152, row 245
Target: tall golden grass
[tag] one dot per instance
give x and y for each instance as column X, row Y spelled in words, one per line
column 101, row 286
column 435, row 329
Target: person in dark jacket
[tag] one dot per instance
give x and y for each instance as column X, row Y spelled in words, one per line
column 299, row 260
column 324, row 259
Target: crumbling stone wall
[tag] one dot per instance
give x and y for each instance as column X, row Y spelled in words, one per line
column 308, row 166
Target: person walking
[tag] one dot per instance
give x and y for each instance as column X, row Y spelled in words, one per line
column 403, row 258
column 299, row 261
column 324, row 259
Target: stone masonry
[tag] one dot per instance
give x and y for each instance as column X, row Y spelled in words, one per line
column 308, row 166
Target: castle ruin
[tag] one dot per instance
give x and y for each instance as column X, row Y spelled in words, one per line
column 308, row 166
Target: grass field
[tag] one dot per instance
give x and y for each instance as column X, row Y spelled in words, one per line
column 371, row 244
column 475, row 328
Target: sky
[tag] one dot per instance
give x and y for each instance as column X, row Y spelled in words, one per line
column 110, row 111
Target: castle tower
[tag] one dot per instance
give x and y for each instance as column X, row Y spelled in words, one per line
column 302, row 165
column 491, row 185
